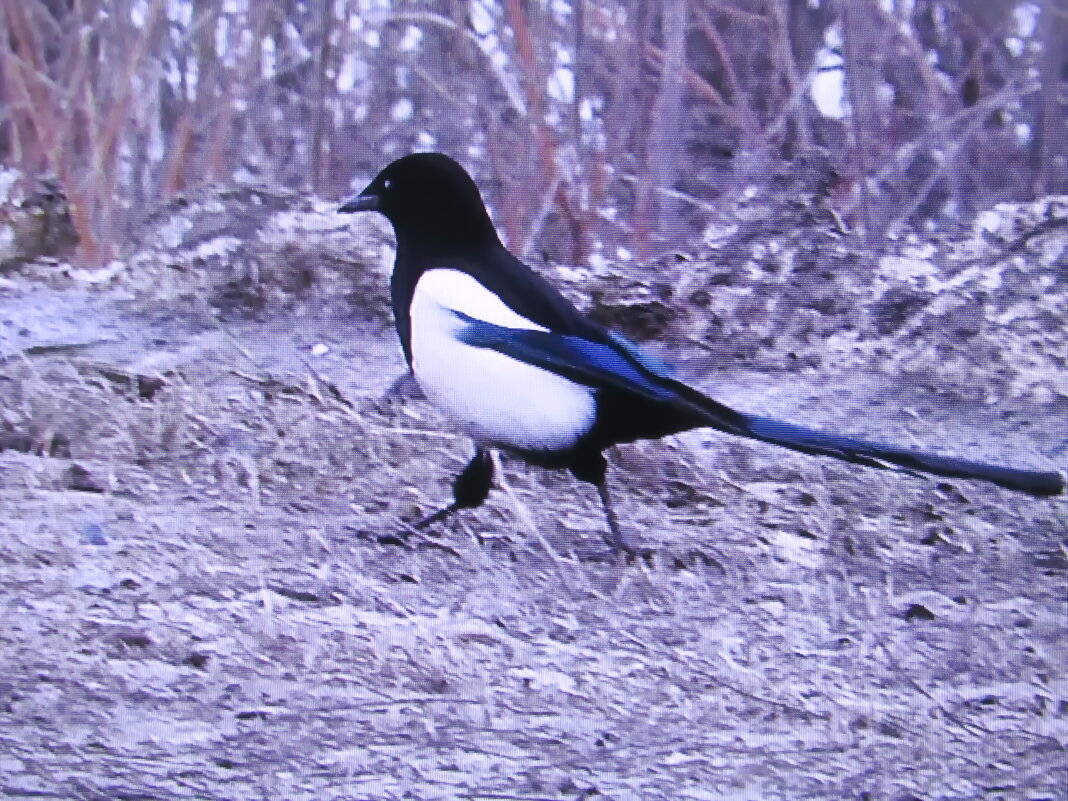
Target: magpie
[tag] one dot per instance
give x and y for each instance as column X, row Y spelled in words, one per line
column 522, row 370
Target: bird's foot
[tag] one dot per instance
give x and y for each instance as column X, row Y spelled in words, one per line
column 402, row 537
column 435, row 517
column 614, row 535
column 630, row 553
column 412, row 538
column 618, row 551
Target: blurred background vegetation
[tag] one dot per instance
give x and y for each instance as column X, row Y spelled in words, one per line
column 599, row 129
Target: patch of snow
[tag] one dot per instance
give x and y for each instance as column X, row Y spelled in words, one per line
column 412, row 39
column 938, row 15
column 546, row 679
column 573, row 274
column 88, row 576
column 297, row 41
column 100, row 276
column 222, row 40
column 481, row 19
column 348, row 74
column 7, row 242
column 172, row 232
column 828, row 85
column 562, row 9
column 402, row 110
column 903, row 268
column 716, row 233
column 137, row 14
column 220, row 246
column 1026, row 16
column 156, row 147
column 171, row 74
column 492, row 48
column 561, row 87
column 832, row 39
column 989, row 220
column 287, row 222
column 919, row 249
column 268, row 66
column 180, row 12
column 7, row 180
column 192, row 78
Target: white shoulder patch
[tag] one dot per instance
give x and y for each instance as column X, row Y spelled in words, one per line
column 459, row 291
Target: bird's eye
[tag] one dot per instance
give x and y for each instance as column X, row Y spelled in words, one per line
column 386, row 184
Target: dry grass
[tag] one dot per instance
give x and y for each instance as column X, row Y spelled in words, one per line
column 238, row 634
column 219, row 621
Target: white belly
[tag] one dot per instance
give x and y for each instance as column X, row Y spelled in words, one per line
column 497, row 399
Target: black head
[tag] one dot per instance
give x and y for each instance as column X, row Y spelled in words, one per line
column 431, row 201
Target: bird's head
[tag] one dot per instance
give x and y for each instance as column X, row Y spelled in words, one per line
column 430, row 200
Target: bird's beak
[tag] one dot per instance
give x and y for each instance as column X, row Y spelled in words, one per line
column 359, row 203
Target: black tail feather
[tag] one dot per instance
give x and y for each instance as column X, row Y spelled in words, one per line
column 888, row 457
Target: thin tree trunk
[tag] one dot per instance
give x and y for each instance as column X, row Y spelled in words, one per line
column 860, row 72
column 664, row 145
column 1048, row 150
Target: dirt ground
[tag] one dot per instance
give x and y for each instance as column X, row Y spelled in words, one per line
column 201, row 452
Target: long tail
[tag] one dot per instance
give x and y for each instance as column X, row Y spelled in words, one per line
column 621, row 368
column 701, row 410
column 873, row 454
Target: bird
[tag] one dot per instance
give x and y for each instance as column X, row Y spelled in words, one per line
column 505, row 355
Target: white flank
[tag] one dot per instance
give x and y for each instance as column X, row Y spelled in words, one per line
column 499, row 400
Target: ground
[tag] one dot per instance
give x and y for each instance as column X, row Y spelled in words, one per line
column 204, row 442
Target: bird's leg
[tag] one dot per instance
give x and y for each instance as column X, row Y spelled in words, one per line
column 469, row 489
column 592, row 469
column 615, row 536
